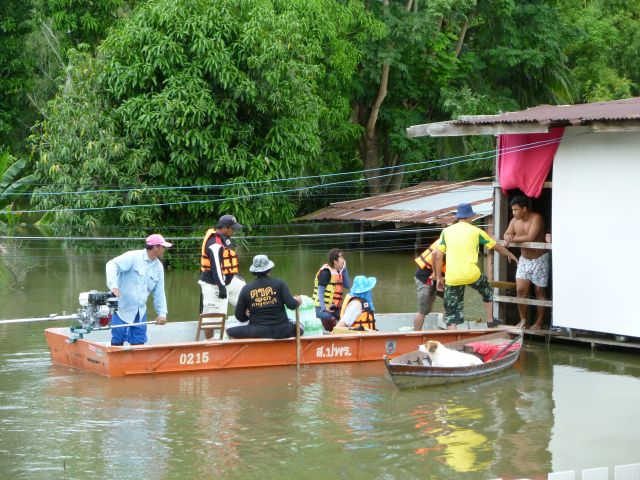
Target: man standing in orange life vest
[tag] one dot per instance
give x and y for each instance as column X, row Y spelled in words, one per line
column 219, row 267
column 425, row 279
column 330, row 282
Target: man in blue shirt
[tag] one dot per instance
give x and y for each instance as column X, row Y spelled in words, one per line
column 132, row 277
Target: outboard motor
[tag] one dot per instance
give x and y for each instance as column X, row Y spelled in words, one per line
column 97, row 308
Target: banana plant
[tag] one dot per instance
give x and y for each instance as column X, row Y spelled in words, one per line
column 12, row 183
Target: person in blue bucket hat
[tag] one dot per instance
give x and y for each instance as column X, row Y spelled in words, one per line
column 357, row 309
column 465, row 210
column 461, row 243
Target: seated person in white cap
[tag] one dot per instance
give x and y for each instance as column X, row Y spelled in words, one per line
column 357, row 309
column 262, row 302
column 132, row 277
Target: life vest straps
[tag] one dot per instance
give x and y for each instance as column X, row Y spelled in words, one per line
column 366, row 318
column 230, row 264
column 333, row 293
column 205, row 264
column 425, row 259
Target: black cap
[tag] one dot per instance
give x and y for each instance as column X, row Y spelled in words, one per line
column 229, row 221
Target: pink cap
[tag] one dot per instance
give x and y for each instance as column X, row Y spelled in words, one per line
column 157, row 239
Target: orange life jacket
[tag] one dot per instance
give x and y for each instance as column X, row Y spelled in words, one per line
column 425, row 259
column 365, row 319
column 230, row 265
column 333, row 291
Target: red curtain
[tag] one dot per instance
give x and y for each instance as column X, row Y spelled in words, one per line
column 524, row 160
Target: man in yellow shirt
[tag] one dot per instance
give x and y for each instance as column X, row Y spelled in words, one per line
column 461, row 243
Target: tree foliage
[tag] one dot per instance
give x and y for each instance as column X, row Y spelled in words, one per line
column 603, row 45
column 443, row 58
column 233, row 97
column 200, row 93
column 15, row 70
column 82, row 21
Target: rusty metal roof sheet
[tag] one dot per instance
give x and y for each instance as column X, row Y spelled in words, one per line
column 616, row 110
column 425, row 203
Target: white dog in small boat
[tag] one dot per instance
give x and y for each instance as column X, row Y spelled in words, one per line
column 441, row 356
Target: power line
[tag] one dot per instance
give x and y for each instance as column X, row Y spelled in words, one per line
column 147, row 190
column 216, row 200
column 199, row 238
column 470, row 156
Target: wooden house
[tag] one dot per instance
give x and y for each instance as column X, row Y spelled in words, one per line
column 589, row 198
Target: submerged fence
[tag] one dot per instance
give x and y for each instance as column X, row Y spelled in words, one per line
column 620, row 472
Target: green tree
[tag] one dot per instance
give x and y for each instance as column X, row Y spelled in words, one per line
column 60, row 25
column 15, row 71
column 603, row 46
column 83, row 21
column 198, row 93
column 444, row 58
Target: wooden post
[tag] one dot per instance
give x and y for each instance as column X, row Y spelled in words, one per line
column 489, row 259
column 500, row 217
column 298, row 345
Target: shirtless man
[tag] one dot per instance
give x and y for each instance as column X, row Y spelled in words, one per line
column 533, row 267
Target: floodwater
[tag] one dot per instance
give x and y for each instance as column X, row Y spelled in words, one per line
column 561, row 408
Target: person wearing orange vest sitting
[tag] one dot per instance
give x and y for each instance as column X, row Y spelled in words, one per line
column 358, row 311
column 330, row 282
column 426, row 283
column 219, row 267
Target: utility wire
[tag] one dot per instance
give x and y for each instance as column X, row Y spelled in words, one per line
column 246, row 196
column 213, row 200
column 248, row 237
column 469, row 157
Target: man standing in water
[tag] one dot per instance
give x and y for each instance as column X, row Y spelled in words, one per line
column 461, row 242
column 533, row 267
column 132, row 277
column 219, row 280
column 426, row 283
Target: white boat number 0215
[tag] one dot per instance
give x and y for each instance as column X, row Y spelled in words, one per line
column 194, row 358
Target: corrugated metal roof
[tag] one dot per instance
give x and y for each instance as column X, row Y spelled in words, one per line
column 426, row 203
column 627, row 109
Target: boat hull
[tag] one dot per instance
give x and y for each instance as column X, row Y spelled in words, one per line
column 97, row 356
column 407, row 373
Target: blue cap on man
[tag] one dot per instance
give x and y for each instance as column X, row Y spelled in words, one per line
column 465, row 211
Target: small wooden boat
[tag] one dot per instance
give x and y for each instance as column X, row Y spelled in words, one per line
column 502, row 349
column 172, row 348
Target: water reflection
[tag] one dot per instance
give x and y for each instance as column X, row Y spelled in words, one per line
column 328, row 421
